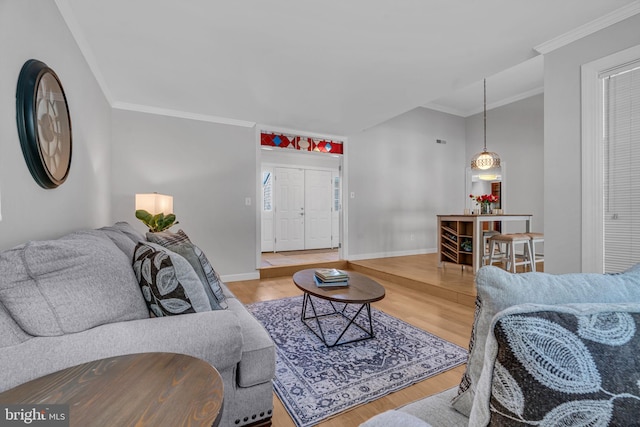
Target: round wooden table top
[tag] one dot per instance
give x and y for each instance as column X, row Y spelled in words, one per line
column 146, row 389
column 361, row 289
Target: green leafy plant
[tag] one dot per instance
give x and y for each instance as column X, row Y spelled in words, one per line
column 158, row 222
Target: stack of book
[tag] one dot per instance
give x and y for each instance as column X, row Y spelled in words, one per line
column 331, row 277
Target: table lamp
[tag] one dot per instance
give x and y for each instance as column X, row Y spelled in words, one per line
column 155, row 211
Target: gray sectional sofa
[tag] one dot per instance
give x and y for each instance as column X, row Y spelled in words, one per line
column 545, row 350
column 76, row 299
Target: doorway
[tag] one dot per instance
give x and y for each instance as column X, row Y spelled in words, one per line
column 300, row 208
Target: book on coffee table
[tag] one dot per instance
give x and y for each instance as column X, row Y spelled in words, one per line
column 331, row 275
column 331, row 284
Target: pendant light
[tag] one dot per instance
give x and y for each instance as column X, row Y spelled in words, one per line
column 486, row 163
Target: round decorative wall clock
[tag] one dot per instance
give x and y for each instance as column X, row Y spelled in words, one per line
column 44, row 125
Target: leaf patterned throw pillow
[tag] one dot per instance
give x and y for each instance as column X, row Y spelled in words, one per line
column 563, row 369
column 179, row 243
column 162, row 291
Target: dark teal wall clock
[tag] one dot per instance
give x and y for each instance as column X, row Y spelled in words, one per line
column 44, row 124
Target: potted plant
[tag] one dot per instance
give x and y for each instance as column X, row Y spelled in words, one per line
column 158, row 222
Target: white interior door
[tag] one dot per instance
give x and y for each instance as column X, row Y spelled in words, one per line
column 289, row 209
column 318, row 198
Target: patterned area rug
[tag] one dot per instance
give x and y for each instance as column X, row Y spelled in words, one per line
column 315, row 382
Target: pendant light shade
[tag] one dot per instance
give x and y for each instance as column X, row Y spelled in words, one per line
column 485, row 160
column 487, row 163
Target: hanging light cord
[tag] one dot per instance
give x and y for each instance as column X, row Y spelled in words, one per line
column 485, row 115
column 485, row 160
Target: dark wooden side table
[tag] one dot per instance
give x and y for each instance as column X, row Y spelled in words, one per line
column 146, row 389
column 361, row 291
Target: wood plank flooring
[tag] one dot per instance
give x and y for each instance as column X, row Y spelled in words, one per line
column 270, row 259
column 421, row 272
column 409, row 296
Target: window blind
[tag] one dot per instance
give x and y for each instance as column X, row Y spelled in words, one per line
column 621, row 145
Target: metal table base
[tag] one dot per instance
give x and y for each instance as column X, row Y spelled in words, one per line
column 308, row 302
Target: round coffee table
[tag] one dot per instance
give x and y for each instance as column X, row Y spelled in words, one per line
column 146, row 389
column 362, row 291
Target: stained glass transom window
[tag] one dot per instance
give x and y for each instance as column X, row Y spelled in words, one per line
column 301, row 143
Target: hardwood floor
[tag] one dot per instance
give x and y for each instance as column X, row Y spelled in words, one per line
column 410, row 296
column 421, row 272
column 278, row 264
column 270, row 259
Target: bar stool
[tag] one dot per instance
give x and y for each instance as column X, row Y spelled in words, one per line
column 486, row 248
column 535, row 256
column 510, row 241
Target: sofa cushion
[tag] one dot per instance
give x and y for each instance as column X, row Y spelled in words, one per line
column 120, row 239
column 10, row 332
column 436, row 410
column 129, row 231
column 168, row 283
column 67, row 285
column 179, row 243
column 498, row 290
column 561, row 363
column 394, row 418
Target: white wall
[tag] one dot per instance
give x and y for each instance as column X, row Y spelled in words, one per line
column 562, row 154
column 516, row 132
column 402, row 179
column 208, row 168
column 35, row 29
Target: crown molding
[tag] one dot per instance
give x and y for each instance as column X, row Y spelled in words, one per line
column 491, row 106
column 72, row 23
column 444, row 109
column 181, row 114
column 505, row 101
column 589, row 28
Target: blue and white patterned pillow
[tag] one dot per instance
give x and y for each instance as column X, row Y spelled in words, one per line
column 563, row 369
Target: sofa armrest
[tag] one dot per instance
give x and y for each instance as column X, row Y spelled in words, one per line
column 213, row 336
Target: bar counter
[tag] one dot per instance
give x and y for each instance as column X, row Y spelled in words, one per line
column 455, row 232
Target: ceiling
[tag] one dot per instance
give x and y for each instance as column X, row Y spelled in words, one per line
column 333, row 67
column 510, row 85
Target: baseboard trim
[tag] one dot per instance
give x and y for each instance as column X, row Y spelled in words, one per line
column 240, row 277
column 289, row 270
column 391, row 254
column 277, row 271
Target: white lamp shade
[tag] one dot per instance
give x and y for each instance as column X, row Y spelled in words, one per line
column 155, row 203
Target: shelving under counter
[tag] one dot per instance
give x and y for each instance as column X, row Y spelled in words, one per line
column 460, row 237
